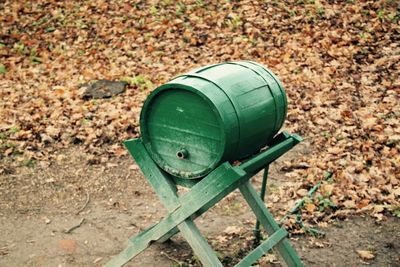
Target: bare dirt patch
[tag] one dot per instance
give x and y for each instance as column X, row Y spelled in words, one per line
column 38, row 204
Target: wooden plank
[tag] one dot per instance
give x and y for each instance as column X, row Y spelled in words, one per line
column 264, row 158
column 174, row 231
column 188, row 183
column 203, row 195
column 284, row 248
column 158, row 179
column 199, row 244
column 150, row 169
column 257, row 232
column 225, row 177
column 262, row 248
column 165, row 190
column 139, row 243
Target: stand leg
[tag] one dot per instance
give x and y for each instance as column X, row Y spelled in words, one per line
column 263, row 248
column 199, row 244
column 284, row 248
column 257, row 232
column 174, row 231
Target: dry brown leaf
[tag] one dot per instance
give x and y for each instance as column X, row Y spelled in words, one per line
column 365, row 254
column 302, row 192
column 309, row 207
column 326, row 189
column 233, row 230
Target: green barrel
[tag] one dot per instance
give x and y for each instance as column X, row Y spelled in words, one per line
column 213, row 114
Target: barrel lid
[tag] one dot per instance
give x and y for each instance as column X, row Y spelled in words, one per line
column 181, row 129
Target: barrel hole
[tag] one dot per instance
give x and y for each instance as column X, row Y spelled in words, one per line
column 182, row 153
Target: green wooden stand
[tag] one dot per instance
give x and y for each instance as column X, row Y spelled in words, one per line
column 204, row 194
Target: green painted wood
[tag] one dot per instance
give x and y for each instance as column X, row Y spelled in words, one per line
column 207, row 192
column 268, row 156
column 263, row 248
column 141, row 241
column 166, row 191
column 210, row 115
column 284, row 248
column 257, row 232
column 188, row 183
column 199, row 244
column 159, row 180
column 203, row 195
column 176, row 230
column 258, row 162
column 135, row 245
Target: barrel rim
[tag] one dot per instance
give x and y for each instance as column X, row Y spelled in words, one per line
column 147, row 142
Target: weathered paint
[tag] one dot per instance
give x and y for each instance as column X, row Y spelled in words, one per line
column 191, row 128
column 210, row 115
column 204, row 194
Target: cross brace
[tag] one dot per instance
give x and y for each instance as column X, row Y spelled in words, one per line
column 203, row 195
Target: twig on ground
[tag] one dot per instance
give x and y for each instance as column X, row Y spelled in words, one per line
column 84, row 205
column 180, row 263
column 3, row 251
column 68, row 231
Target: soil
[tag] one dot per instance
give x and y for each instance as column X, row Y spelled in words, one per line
column 39, row 203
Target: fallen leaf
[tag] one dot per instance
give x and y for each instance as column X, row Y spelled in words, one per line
column 365, row 254
column 302, row 192
column 232, row 230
